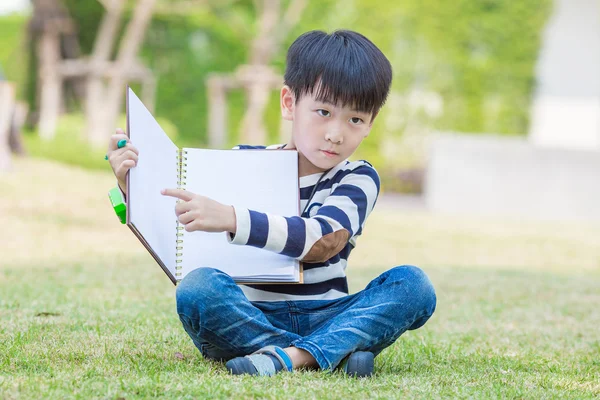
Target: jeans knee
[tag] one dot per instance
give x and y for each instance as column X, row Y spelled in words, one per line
column 419, row 284
column 199, row 289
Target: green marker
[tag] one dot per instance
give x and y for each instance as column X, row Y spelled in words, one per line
column 120, row 144
column 116, row 200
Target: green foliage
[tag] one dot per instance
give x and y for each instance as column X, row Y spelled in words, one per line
column 88, row 15
column 13, row 53
column 478, row 56
column 183, row 50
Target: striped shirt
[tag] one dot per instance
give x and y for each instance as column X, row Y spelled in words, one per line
column 322, row 237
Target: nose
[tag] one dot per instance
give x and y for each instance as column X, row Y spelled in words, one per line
column 334, row 135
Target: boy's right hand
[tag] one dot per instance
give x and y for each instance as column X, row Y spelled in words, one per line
column 123, row 159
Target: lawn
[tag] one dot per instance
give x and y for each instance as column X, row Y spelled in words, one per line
column 86, row 313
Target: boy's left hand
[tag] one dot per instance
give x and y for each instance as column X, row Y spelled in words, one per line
column 199, row 213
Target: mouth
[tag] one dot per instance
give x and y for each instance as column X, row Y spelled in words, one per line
column 329, row 153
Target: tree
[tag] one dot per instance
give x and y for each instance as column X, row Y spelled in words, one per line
column 49, row 24
column 104, row 100
column 256, row 77
column 105, row 79
column 7, row 103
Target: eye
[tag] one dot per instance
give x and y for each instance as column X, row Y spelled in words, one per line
column 323, row 113
column 356, row 121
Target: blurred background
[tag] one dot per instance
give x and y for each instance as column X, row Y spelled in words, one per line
column 488, row 150
column 494, row 113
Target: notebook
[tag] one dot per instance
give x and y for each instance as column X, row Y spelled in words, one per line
column 260, row 180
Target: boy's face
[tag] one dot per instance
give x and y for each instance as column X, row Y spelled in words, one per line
column 323, row 133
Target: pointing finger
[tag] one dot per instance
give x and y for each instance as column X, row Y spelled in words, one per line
column 178, row 193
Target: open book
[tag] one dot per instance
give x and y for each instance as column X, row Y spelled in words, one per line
column 261, row 180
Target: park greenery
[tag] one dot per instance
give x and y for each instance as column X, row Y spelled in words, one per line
column 474, row 61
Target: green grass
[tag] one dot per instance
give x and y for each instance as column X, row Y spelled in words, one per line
column 97, row 329
column 86, row 313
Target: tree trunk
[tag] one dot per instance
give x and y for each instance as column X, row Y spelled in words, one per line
column 132, row 41
column 15, row 139
column 149, row 93
column 7, row 101
column 217, row 112
column 257, row 96
column 96, row 127
column 252, row 130
column 265, row 45
column 50, row 83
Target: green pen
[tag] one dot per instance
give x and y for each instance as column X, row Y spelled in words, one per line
column 120, row 144
column 119, row 206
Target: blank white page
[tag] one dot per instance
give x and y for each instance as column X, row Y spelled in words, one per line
column 151, row 213
column 260, row 180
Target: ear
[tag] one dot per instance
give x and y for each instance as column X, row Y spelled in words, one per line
column 288, row 102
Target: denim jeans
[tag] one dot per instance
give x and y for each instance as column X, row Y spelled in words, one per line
column 224, row 324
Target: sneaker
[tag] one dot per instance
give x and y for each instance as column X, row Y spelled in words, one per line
column 359, row 364
column 267, row 362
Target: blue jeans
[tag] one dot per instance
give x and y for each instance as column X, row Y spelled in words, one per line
column 224, row 324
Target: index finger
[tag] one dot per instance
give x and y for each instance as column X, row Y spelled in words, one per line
column 178, row 193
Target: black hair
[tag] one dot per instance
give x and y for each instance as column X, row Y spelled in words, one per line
column 343, row 67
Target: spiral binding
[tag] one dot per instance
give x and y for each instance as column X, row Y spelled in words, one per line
column 181, row 176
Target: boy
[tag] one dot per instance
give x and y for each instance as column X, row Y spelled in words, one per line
column 335, row 84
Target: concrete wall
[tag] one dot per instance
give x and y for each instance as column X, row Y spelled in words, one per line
column 506, row 176
column 566, row 106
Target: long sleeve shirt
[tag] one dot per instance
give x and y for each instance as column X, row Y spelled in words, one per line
column 322, row 237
